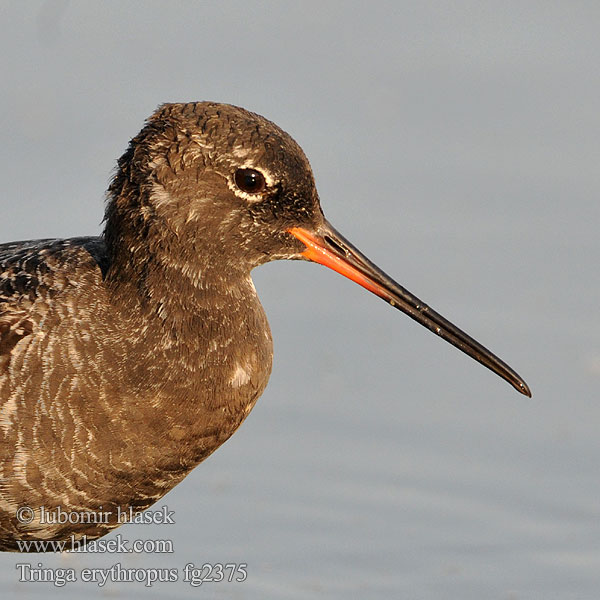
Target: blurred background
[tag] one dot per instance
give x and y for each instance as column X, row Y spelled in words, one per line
column 456, row 144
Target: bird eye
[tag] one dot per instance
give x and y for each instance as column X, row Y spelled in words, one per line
column 250, row 181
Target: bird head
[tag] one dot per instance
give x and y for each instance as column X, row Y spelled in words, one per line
column 212, row 191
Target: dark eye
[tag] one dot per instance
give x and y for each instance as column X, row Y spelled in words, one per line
column 250, row 181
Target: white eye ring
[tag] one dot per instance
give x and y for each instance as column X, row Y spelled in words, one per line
column 250, row 183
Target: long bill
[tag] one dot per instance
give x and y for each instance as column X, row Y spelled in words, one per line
column 329, row 248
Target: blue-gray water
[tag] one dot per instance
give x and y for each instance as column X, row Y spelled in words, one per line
column 457, row 145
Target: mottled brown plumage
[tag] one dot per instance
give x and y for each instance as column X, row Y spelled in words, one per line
column 125, row 360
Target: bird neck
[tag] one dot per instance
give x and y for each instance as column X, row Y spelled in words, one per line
column 173, row 288
column 170, row 272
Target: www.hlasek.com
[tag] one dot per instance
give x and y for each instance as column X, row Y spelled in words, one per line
column 117, row 573
column 116, row 545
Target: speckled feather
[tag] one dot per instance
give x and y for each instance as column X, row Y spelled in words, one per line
column 126, row 360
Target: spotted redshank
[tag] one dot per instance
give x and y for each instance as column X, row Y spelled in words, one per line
column 126, row 359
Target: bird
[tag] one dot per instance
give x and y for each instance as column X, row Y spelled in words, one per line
column 128, row 358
